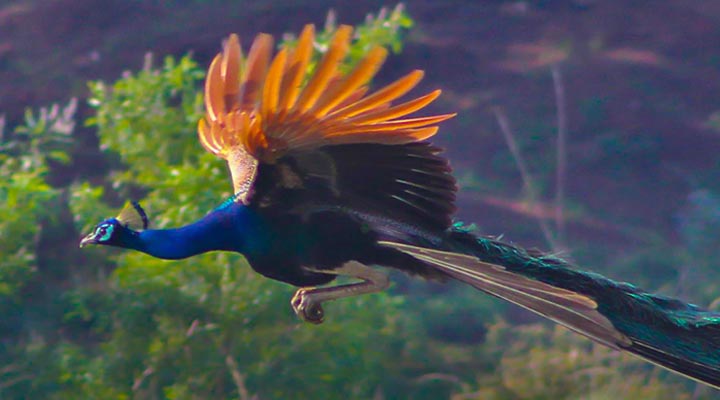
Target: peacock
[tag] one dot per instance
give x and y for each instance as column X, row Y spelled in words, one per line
column 331, row 179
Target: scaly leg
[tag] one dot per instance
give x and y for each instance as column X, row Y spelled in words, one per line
column 307, row 302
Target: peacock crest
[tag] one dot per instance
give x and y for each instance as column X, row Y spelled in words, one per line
column 133, row 216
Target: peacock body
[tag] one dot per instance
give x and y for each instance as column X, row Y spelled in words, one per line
column 330, row 180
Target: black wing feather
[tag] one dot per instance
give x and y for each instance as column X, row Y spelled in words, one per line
column 409, row 182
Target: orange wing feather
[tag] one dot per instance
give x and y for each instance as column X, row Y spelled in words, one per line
column 258, row 108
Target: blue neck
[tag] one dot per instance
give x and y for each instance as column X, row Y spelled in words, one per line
column 228, row 228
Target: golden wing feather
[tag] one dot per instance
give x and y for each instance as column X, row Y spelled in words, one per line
column 295, row 70
column 361, row 75
column 260, row 107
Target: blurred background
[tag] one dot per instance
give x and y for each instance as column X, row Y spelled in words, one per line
column 586, row 128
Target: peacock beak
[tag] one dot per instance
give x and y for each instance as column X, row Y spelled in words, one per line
column 89, row 239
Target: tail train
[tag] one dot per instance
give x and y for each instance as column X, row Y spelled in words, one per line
column 667, row 332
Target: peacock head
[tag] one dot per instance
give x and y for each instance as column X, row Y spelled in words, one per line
column 119, row 230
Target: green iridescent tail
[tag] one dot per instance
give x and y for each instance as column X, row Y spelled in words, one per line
column 668, row 332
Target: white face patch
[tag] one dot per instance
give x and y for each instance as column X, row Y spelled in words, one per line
column 104, row 232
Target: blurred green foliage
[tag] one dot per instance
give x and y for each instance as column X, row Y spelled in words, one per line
column 23, row 165
column 537, row 362
column 111, row 324
column 384, row 29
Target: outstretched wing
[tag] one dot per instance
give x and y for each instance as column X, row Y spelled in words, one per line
column 261, row 109
column 385, row 185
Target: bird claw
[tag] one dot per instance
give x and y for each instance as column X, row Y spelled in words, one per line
column 307, row 308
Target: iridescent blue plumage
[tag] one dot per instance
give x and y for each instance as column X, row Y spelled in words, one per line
column 230, row 227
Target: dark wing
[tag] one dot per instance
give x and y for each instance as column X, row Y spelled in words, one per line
column 408, row 183
column 264, row 111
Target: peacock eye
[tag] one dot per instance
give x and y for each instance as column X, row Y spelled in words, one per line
column 104, row 232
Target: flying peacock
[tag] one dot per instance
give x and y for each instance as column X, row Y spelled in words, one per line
column 331, row 179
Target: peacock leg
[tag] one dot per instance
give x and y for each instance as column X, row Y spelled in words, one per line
column 307, row 302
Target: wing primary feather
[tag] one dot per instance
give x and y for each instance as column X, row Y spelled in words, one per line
column 296, row 67
column 382, row 96
column 257, row 63
column 204, row 136
column 396, row 111
column 214, row 94
column 326, row 69
column 392, row 137
column 352, row 98
column 273, row 81
column 367, row 68
column 390, row 126
column 230, row 71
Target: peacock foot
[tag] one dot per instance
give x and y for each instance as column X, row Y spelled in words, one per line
column 306, row 307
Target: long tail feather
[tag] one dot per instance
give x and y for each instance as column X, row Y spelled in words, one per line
column 670, row 333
